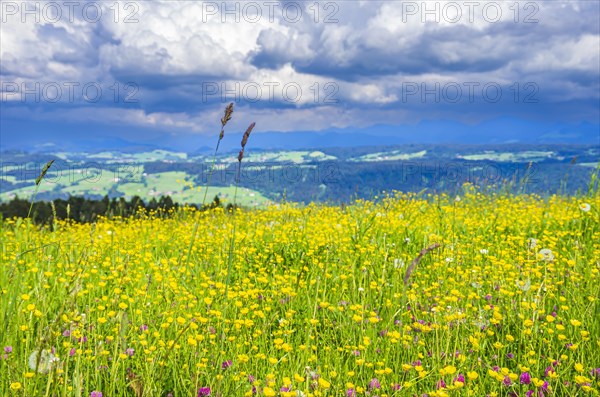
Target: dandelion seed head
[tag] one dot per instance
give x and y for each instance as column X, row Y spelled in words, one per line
column 46, row 361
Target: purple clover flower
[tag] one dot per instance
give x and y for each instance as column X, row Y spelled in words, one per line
column 525, row 378
column 459, row 378
column 96, row 394
column 226, row 364
column 374, row 384
column 204, row 391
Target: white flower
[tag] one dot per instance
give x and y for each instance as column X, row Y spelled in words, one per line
column 46, row 360
column 524, row 286
column 399, row 263
column 483, row 251
column 361, row 289
column 531, row 243
column 407, row 240
column 457, row 199
column 448, row 260
column 546, row 255
column 585, row 207
column 481, row 322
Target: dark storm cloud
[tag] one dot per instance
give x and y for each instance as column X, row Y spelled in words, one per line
column 185, row 64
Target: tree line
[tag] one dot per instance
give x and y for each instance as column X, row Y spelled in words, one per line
column 84, row 210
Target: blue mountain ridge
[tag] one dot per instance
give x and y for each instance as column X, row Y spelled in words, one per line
column 81, row 138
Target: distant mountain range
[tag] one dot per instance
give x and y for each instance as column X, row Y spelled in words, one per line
column 79, row 138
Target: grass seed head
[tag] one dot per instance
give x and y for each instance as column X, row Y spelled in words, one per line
column 43, row 173
column 247, row 135
column 417, row 260
column 226, row 117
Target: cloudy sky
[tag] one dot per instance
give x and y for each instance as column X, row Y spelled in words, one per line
column 158, row 71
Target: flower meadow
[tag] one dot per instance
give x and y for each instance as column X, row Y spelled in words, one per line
column 404, row 295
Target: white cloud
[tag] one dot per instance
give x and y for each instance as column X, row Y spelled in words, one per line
column 578, row 54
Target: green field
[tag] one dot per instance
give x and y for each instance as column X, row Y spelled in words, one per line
column 147, row 186
column 393, row 155
column 530, row 155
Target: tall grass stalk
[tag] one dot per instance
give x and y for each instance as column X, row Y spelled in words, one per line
column 226, row 117
column 232, row 242
column 38, row 180
column 594, row 185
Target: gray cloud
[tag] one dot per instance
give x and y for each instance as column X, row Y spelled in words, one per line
column 368, row 54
